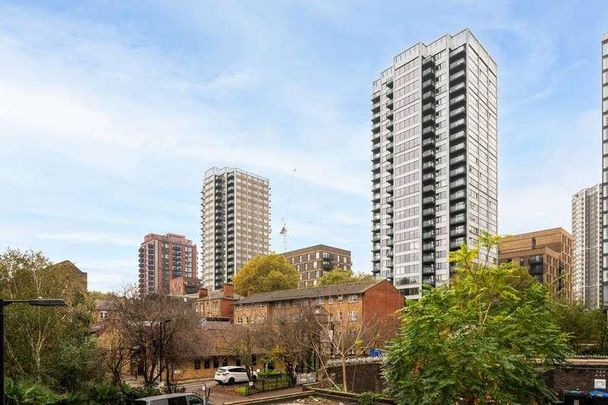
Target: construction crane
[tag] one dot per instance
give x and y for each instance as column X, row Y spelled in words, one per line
column 284, row 219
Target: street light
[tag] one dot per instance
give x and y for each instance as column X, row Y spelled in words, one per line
column 36, row 302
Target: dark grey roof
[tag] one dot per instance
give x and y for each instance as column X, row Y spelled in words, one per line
column 314, row 292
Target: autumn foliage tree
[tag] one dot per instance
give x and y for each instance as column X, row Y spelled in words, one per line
column 488, row 337
column 264, row 274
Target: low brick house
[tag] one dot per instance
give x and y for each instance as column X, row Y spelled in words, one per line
column 364, row 302
column 216, row 304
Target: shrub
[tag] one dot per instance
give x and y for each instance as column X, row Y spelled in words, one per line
column 369, row 398
column 26, row 392
column 241, row 390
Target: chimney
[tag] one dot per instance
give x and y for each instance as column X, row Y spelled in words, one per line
column 202, row 292
column 228, row 290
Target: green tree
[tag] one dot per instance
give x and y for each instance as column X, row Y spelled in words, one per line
column 342, row 276
column 587, row 329
column 264, row 274
column 489, row 337
column 39, row 339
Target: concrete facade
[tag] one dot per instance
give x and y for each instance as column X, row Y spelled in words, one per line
column 604, row 103
column 235, row 222
column 434, row 159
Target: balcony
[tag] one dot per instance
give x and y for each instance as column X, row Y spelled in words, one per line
column 455, row 90
column 389, row 104
column 457, row 136
column 457, row 111
column 375, row 108
column 428, row 223
column 389, row 84
column 428, row 154
column 457, row 100
column 458, row 231
column 459, row 195
column 455, row 244
column 428, row 258
column 456, row 54
column 428, row 142
column 458, row 172
column 458, row 219
column 458, row 184
column 428, row 165
column 389, row 253
column 389, row 189
column 428, row 96
column 458, row 124
column 457, row 160
column 389, row 95
column 375, row 147
column 429, row 188
column 429, row 71
column 428, row 177
column 429, row 246
column 428, row 108
column 458, row 207
column 376, row 206
column 428, row 200
column 460, row 147
column 457, row 77
column 389, row 115
column 428, row 235
column 389, row 211
column 428, row 84
column 376, row 98
column 389, row 126
column 428, row 131
column 428, row 212
column 428, row 119
column 428, row 269
column 459, row 64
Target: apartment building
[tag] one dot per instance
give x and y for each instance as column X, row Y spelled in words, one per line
column 365, row 302
column 547, row 255
column 235, row 222
column 314, row 261
column 434, row 159
column 605, row 171
column 163, row 258
column 587, row 237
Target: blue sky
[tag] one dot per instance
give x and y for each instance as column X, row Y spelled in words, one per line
column 110, row 112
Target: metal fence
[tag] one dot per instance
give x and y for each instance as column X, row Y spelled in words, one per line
column 270, row 383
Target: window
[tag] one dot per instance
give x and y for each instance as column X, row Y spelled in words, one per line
column 330, row 300
column 340, row 298
column 216, row 362
column 352, row 298
column 197, row 364
column 352, row 316
column 206, row 363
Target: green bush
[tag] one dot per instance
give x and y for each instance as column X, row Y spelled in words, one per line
column 269, row 374
column 241, row 390
column 369, row 398
column 26, row 392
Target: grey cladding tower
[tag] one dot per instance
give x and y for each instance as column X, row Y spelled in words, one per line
column 604, row 66
column 235, row 222
column 434, row 159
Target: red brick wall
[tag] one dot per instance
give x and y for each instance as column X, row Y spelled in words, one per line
column 381, row 302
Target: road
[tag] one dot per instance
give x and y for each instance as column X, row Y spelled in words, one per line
column 221, row 394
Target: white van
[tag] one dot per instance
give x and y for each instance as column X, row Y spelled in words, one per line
column 173, row 399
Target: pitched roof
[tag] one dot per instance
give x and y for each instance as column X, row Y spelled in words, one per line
column 314, row 292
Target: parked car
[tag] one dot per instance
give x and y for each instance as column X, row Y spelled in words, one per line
column 232, row 374
column 173, row 399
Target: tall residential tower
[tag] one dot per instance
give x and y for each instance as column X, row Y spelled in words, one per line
column 605, row 170
column 587, row 235
column 434, row 159
column 235, row 223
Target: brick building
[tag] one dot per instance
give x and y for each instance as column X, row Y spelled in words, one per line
column 365, row 302
column 218, row 305
column 163, row 258
column 313, row 261
column 547, row 255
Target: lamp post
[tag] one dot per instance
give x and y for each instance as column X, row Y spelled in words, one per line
column 163, row 325
column 36, row 302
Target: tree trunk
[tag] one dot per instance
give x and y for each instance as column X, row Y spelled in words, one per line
column 344, row 379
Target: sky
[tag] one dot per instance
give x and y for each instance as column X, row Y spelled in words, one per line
column 111, row 111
